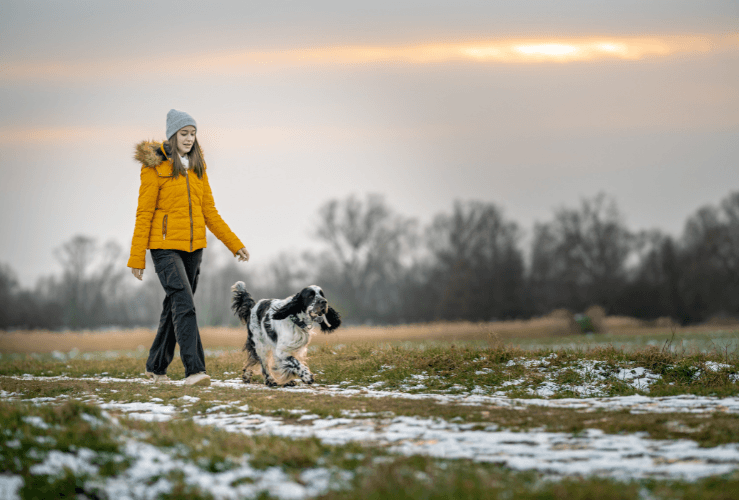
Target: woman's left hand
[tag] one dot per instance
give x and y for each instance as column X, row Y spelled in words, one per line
column 243, row 255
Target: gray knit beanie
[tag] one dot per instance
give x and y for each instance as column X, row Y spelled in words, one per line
column 178, row 119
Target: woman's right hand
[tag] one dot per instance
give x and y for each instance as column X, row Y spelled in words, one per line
column 138, row 273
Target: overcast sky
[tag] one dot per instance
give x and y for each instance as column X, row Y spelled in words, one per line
column 530, row 105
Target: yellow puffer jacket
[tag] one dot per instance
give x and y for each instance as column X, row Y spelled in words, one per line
column 173, row 213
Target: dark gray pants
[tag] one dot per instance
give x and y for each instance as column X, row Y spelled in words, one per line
column 178, row 272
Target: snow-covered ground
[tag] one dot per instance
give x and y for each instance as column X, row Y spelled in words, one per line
column 593, row 452
column 478, row 396
column 146, row 478
column 621, row 456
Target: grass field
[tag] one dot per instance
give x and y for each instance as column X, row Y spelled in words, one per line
column 457, row 410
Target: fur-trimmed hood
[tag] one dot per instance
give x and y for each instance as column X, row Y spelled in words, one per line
column 152, row 154
column 173, row 211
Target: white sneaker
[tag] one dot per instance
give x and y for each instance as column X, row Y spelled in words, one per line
column 156, row 378
column 198, row 379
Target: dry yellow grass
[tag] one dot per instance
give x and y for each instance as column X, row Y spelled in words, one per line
column 553, row 325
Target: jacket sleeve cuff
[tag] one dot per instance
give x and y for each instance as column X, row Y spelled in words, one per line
column 235, row 245
column 136, row 262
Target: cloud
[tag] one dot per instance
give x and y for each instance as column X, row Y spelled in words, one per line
column 505, row 51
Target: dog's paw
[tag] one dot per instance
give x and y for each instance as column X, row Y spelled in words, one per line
column 246, row 376
column 270, row 382
column 292, row 383
column 307, row 378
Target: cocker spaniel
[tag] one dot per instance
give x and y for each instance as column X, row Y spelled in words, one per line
column 278, row 332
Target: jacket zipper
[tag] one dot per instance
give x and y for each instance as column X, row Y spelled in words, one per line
column 164, row 231
column 189, row 201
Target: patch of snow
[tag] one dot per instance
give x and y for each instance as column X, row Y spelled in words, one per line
column 146, row 477
column 639, row 378
column 151, row 465
column 150, row 412
column 92, row 420
column 635, row 403
column 9, row 487
column 417, row 387
column 714, row 367
column 532, row 363
column 546, row 389
column 593, row 374
column 36, row 422
column 513, row 382
column 56, row 461
column 590, row 453
column 219, row 408
column 40, row 401
column 9, row 395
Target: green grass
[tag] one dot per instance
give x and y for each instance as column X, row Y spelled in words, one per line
column 428, row 479
column 445, row 365
column 721, row 342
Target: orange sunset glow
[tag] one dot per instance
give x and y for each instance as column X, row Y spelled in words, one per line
column 506, row 51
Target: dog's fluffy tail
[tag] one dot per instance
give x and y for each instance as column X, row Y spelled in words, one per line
column 242, row 302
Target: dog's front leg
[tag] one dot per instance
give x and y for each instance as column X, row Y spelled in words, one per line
column 288, row 366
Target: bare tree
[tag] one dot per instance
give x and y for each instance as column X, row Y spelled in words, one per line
column 75, row 257
column 368, row 246
column 580, row 257
column 713, row 234
column 479, row 267
column 286, row 274
column 8, row 290
column 91, row 281
column 711, row 260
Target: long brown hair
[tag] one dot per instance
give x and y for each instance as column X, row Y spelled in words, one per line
column 195, row 156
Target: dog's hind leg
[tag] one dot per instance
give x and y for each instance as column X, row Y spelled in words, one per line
column 252, row 358
column 248, row 371
column 264, row 359
column 269, row 381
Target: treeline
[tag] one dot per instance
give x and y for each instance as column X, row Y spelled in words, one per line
column 378, row 266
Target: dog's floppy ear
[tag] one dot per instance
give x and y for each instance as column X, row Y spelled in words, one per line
column 292, row 307
column 333, row 318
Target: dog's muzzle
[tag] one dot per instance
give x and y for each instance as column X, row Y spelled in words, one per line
column 320, row 308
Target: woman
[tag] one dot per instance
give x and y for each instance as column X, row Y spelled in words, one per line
column 175, row 206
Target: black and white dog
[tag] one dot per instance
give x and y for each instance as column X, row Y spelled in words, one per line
column 278, row 332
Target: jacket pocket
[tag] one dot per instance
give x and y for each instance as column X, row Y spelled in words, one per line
column 164, row 227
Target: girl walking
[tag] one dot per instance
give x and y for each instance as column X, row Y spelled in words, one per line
column 175, row 206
